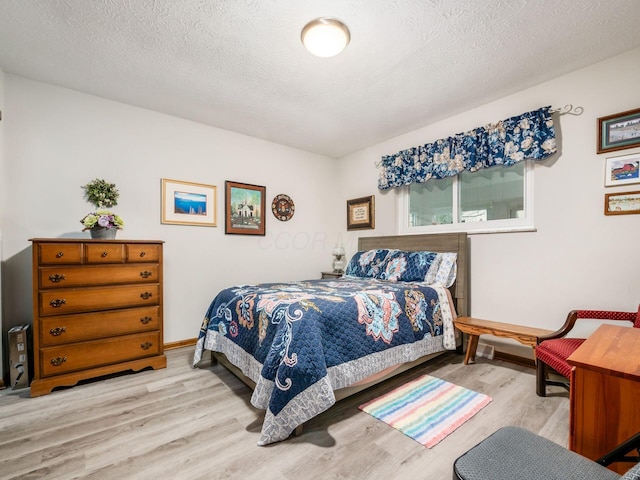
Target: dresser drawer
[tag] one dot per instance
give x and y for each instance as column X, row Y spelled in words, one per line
column 142, row 252
column 59, row 253
column 62, row 329
column 104, row 252
column 80, row 356
column 63, row 301
column 68, row 276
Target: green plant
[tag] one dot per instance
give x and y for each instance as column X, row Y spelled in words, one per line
column 101, row 193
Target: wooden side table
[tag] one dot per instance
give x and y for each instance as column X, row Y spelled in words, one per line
column 605, row 387
column 474, row 327
column 331, row 275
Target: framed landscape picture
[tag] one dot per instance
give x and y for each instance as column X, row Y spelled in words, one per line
column 619, row 131
column 623, row 203
column 244, row 208
column 188, row 203
column 622, row 170
column 361, row 213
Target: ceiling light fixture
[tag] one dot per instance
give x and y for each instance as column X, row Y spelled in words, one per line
column 325, row 37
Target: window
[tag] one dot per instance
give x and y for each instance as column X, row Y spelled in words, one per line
column 492, row 199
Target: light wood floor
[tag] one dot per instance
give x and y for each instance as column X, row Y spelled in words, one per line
column 184, row 423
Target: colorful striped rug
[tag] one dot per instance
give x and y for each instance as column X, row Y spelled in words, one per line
column 427, row 409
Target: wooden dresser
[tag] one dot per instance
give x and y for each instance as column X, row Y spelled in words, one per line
column 97, row 309
column 605, row 388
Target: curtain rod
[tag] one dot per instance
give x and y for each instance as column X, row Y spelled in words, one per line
column 570, row 109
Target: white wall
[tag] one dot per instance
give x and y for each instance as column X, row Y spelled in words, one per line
column 57, row 140
column 1, row 208
column 578, row 257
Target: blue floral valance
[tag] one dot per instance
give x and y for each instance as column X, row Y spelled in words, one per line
column 527, row 136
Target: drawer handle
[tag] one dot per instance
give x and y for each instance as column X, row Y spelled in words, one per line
column 104, row 254
column 146, row 295
column 59, row 255
column 146, row 345
column 56, row 332
column 142, row 254
column 145, row 274
column 58, row 277
column 56, row 362
column 145, row 320
column 58, row 302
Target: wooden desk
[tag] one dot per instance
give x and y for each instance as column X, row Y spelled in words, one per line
column 605, row 388
column 474, row 327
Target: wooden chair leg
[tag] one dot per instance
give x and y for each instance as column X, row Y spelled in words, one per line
column 541, row 379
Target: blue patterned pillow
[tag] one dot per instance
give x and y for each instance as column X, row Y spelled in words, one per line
column 410, row 266
column 368, row 264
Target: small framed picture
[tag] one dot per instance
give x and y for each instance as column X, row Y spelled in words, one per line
column 619, row 131
column 622, row 170
column 622, row 203
column 244, row 209
column 188, row 203
column 361, row 213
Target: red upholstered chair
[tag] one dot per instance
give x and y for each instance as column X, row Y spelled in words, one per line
column 553, row 350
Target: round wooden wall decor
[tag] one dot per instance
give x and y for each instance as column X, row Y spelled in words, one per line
column 283, row 207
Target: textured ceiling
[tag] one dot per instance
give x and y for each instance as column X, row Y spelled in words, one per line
column 239, row 64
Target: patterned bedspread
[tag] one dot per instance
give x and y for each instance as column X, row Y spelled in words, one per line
column 301, row 341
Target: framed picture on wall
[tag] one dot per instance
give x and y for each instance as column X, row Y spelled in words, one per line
column 361, row 213
column 188, row 203
column 244, row 208
column 622, row 203
column 622, row 170
column 619, row 131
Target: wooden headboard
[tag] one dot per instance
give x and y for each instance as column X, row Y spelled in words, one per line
column 445, row 242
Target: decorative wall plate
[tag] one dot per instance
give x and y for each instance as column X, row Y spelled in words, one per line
column 283, row 207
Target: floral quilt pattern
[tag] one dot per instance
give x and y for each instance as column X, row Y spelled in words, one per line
column 300, row 341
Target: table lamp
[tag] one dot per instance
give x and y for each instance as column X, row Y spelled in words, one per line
column 339, row 262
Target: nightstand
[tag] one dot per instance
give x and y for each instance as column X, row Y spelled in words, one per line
column 331, row 275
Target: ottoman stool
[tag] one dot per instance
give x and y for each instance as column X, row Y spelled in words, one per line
column 513, row 453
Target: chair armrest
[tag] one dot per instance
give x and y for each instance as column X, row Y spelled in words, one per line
column 574, row 315
column 563, row 330
column 607, row 315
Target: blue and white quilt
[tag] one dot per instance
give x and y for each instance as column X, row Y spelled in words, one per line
column 300, row 341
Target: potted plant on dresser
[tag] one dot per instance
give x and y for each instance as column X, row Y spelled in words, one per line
column 102, row 223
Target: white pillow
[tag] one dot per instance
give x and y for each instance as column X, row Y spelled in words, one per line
column 430, row 277
column 447, row 269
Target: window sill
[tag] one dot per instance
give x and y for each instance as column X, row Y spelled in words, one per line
column 464, row 228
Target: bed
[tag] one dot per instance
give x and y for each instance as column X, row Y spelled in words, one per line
column 302, row 346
